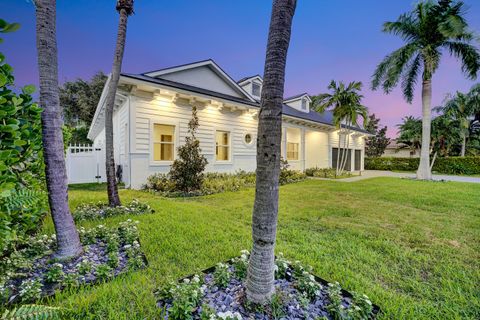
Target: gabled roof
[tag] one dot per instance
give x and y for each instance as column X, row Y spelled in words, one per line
column 298, row 96
column 208, row 63
column 186, row 87
column 251, row 78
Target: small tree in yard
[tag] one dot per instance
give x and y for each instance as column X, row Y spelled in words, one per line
column 187, row 171
column 375, row 146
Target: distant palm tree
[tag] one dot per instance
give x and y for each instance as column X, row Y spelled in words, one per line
column 345, row 102
column 446, row 134
column 124, row 8
column 461, row 109
column 427, row 30
column 410, row 133
column 261, row 275
column 68, row 241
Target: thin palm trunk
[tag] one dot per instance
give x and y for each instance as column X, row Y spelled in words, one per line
column 424, row 171
column 347, row 151
column 260, row 277
column 68, row 241
column 338, row 152
column 464, row 143
column 112, row 188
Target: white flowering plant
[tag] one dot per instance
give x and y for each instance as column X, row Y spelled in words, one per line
column 30, row 289
column 101, row 210
column 221, row 275
column 240, row 264
column 54, row 273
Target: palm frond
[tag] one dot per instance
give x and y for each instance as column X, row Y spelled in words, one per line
column 405, row 27
column 410, row 78
column 388, row 72
column 23, row 198
column 32, row 311
column 469, row 55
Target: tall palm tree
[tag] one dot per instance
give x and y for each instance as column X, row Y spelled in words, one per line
column 431, row 28
column 460, row 109
column 68, row 241
column 124, row 8
column 260, row 277
column 345, row 102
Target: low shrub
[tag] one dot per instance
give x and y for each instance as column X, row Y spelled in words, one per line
column 101, row 210
column 448, row 165
column 215, row 182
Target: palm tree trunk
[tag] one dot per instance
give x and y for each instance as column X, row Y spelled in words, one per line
column 424, row 171
column 112, row 188
column 68, row 241
column 464, row 143
column 347, row 150
column 338, row 152
column 260, row 277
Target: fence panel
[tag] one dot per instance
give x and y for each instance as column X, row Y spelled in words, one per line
column 85, row 164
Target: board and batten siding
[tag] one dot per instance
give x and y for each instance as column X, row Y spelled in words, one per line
column 148, row 111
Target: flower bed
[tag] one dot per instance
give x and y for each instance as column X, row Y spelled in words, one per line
column 328, row 173
column 101, row 210
column 219, row 293
column 30, row 273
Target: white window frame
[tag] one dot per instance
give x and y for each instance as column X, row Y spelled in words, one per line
column 176, row 140
column 230, row 146
column 252, row 143
column 300, row 147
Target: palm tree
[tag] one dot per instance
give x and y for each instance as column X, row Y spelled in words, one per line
column 428, row 30
column 68, row 241
column 346, row 104
column 460, row 109
column 124, row 8
column 260, row 277
column 410, row 133
column 446, row 133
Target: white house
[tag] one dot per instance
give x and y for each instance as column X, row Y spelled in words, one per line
column 152, row 111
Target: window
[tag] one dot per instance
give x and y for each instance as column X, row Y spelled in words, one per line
column 255, row 89
column 163, row 142
column 304, row 104
column 292, row 151
column 222, row 145
column 248, row 139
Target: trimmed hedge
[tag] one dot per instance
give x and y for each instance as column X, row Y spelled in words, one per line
column 450, row 165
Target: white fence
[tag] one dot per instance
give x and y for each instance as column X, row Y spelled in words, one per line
column 85, row 164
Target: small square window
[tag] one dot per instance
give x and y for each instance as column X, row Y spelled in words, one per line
column 256, row 89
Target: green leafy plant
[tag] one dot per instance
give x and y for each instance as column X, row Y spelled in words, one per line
column 32, row 311
column 221, row 275
column 30, row 290
column 54, row 273
column 71, row 280
column 113, row 259
column 240, row 264
column 128, row 231
column 101, row 210
column 84, row 267
column 103, row 272
column 184, row 296
column 281, row 266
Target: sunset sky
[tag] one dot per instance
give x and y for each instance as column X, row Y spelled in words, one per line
column 340, row 40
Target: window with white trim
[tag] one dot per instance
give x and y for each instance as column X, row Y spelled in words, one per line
column 163, row 142
column 293, row 144
column 222, row 145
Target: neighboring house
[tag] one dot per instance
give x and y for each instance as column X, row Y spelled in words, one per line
column 400, row 151
column 152, row 111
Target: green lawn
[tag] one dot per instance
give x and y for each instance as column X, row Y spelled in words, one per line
column 413, row 247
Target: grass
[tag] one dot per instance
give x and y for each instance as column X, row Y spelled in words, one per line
column 413, row 247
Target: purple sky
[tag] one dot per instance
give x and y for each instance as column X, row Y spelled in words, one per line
column 339, row 40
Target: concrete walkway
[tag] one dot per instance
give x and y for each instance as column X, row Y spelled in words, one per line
column 367, row 174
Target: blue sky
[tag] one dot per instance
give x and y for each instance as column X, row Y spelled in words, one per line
column 340, row 40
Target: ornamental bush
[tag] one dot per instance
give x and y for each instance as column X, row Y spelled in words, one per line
column 187, row 171
column 448, row 165
column 22, row 203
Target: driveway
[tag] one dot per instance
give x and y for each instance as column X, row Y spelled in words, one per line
column 367, row 174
